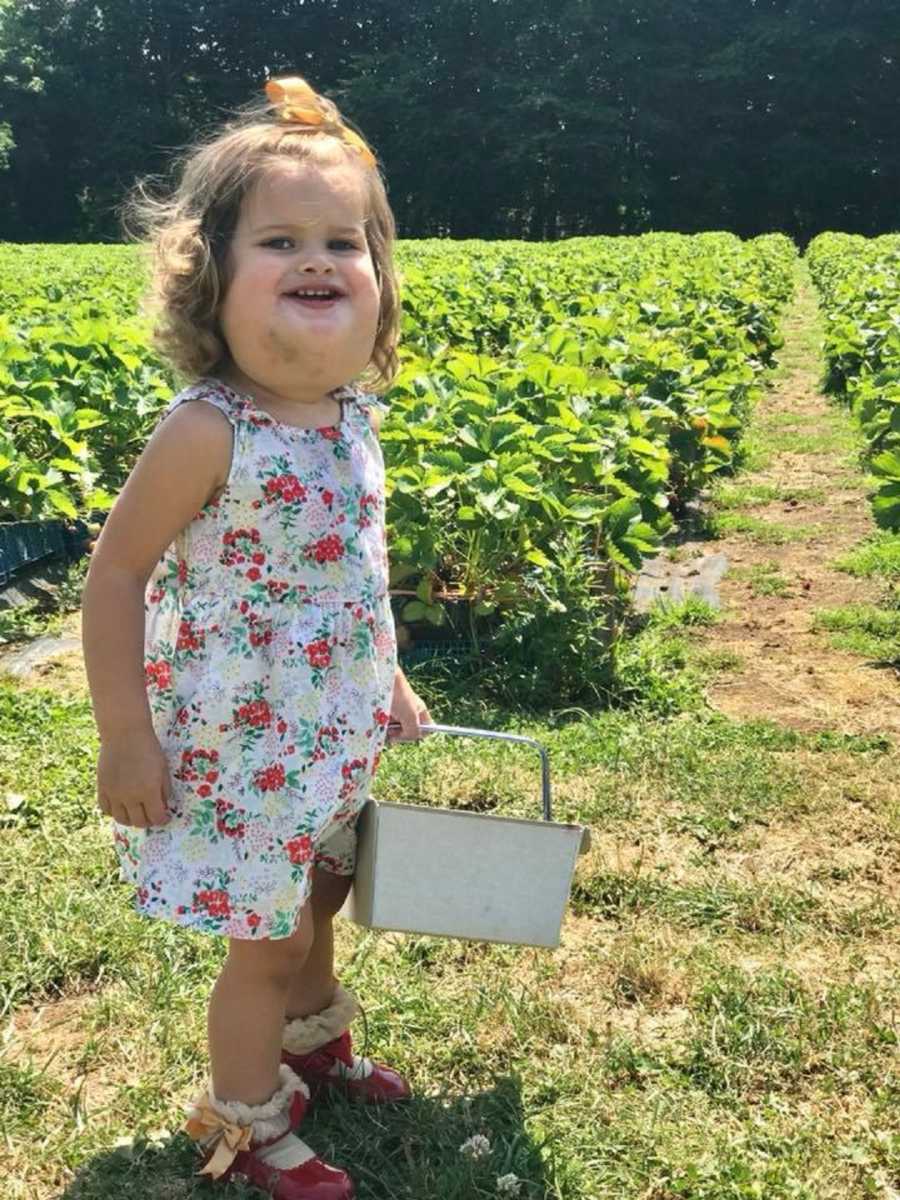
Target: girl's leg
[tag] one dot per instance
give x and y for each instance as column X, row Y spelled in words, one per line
column 313, row 983
column 247, row 1010
column 244, row 1122
column 317, row 1041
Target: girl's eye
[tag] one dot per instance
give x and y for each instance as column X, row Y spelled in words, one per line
column 287, row 243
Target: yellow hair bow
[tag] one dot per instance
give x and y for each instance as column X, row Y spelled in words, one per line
column 297, row 102
column 217, row 1134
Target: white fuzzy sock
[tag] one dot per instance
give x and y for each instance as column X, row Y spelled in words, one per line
column 303, row 1035
column 362, row 1068
column 269, row 1120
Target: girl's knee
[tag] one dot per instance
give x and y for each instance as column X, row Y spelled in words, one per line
column 277, row 958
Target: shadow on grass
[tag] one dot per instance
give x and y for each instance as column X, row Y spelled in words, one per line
column 398, row 1152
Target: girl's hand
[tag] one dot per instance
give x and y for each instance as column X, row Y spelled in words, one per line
column 133, row 783
column 408, row 710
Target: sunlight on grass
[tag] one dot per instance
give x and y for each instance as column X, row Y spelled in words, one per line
column 770, row 532
column 877, row 556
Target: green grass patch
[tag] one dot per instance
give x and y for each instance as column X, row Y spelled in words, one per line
column 877, row 557
column 767, row 532
column 691, row 611
column 645, row 1058
column 765, row 579
column 713, row 661
column 753, row 495
column 862, row 629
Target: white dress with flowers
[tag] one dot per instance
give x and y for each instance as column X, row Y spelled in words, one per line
column 269, row 666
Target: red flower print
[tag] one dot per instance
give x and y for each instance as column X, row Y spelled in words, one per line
column 366, row 504
column 217, row 903
column 189, row 773
column 253, row 920
column 327, row 497
column 254, row 573
column 348, row 768
column 381, row 716
column 299, row 849
column 326, row 549
column 226, row 820
column 333, row 435
column 182, row 571
column 270, row 779
column 258, row 557
column 237, row 545
column 281, row 726
column 256, row 713
column 189, row 638
column 318, row 654
column 159, row 674
column 287, row 488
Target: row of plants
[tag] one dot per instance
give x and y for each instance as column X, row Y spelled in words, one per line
column 858, row 281
column 558, row 406
column 562, row 404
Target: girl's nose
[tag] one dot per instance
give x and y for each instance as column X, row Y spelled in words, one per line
column 316, row 261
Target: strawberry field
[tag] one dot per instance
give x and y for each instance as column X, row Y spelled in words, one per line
column 558, row 406
column 858, row 280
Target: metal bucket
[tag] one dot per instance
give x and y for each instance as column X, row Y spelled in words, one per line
column 465, row 875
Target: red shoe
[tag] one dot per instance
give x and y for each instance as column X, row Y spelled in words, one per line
column 313, row 1180
column 313, row 1045
column 233, row 1148
column 382, row 1086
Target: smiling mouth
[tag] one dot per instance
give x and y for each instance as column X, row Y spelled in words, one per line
column 315, row 297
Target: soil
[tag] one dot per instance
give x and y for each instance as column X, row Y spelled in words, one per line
column 789, row 673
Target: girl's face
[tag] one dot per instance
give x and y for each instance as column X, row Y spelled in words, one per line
column 300, row 311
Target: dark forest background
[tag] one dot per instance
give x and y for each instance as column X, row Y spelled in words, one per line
column 493, row 118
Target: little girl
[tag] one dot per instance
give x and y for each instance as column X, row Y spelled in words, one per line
column 238, row 635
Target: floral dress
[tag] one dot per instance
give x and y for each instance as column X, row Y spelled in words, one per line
column 269, row 665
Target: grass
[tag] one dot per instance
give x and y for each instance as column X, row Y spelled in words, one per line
column 863, row 629
column 877, row 557
column 716, row 1023
column 771, row 533
column 728, row 496
column 765, row 579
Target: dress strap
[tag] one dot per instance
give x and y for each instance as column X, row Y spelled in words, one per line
column 204, row 389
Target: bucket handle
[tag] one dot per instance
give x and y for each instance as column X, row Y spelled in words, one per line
column 459, row 730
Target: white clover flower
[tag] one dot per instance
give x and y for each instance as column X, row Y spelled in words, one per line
column 476, row 1147
column 508, row 1185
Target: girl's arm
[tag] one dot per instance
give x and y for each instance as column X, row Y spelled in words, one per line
column 407, row 708
column 183, row 464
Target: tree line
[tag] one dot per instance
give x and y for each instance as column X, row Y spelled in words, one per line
column 493, row 118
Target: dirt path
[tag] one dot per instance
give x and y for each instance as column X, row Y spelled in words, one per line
column 806, row 448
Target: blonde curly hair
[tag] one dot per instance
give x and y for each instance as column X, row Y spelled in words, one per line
column 190, row 225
